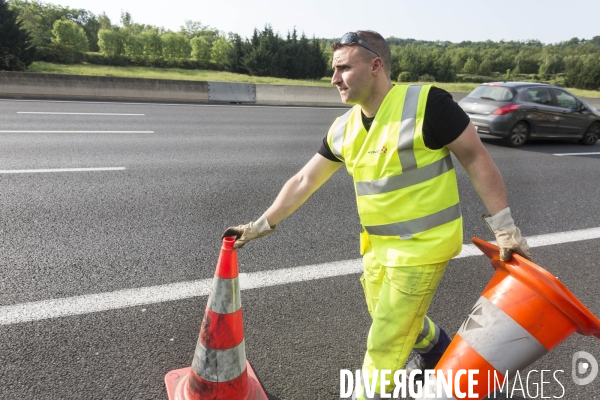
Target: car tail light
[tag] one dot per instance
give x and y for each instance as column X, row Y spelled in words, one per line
column 506, row 109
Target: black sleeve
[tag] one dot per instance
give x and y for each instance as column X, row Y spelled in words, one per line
column 444, row 120
column 326, row 152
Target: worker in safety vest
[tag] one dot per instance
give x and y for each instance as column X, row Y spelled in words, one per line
column 396, row 143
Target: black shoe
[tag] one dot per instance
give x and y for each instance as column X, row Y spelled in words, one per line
column 417, row 363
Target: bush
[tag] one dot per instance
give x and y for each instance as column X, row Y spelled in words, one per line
column 426, row 78
column 405, row 76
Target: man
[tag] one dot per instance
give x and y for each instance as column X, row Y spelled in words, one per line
column 396, row 143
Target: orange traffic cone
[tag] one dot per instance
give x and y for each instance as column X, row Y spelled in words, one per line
column 219, row 370
column 523, row 313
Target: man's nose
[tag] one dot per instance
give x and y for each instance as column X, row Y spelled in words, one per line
column 336, row 78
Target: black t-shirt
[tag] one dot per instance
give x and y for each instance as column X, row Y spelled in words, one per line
column 443, row 122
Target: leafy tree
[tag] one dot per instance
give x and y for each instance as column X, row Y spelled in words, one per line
column 16, row 48
column 152, row 45
column 133, row 47
column 471, row 66
column 219, row 53
column 126, row 19
column 485, row 68
column 193, row 29
column 69, row 43
column 201, row 49
column 175, row 47
column 69, row 34
column 444, row 69
column 583, row 72
column 111, row 42
column 38, row 18
column 104, row 21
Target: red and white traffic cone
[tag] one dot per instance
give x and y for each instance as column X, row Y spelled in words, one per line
column 219, row 370
column 523, row 313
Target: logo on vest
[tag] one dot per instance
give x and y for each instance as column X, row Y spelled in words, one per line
column 383, row 150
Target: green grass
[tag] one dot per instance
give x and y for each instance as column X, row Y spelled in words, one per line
column 220, row 76
column 165, row 73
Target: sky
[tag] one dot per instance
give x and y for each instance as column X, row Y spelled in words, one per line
column 549, row 21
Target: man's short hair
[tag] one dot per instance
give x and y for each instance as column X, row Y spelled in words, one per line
column 378, row 43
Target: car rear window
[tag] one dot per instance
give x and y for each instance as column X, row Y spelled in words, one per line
column 498, row 93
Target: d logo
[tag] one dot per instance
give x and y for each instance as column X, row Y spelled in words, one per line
column 582, row 363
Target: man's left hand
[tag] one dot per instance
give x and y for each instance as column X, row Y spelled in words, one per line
column 508, row 236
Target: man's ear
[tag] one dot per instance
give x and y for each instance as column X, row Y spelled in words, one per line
column 377, row 65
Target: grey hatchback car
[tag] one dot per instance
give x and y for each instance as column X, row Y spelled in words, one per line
column 518, row 111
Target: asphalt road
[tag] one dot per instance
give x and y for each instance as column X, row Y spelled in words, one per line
column 187, row 172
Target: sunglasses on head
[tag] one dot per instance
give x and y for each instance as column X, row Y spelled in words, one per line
column 353, row 38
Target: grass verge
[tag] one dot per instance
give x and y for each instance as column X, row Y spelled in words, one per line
column 220, row 76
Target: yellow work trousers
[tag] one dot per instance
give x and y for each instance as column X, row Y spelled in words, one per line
column 397, row 299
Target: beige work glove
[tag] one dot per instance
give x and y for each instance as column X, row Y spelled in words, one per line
column 253, row 230
column 508, row 236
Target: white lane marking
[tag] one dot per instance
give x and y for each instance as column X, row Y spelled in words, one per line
column 72, row 113
column 77, row 131
column 89, row 303
column 341, row 107
column 34, row 171
column 575, row 154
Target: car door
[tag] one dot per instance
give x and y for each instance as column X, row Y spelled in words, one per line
column 573, row 119
column 541, row 113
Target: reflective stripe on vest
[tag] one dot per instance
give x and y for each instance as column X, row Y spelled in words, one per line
column 407, row 128
column 417, row 225
column 338, row 136
column 406, row 179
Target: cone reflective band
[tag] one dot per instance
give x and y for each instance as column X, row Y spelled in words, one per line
column 219, row 369
column 523, row 313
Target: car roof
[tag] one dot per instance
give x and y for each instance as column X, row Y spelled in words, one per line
column 516, row 84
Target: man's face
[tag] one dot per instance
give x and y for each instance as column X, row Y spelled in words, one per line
column 352, row 74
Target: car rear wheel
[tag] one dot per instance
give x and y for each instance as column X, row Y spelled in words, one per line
column 518, row 135
column 590, row 136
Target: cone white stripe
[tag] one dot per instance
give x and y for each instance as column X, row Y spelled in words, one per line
column 219, row 365
column 499, row 339
column 225, row 296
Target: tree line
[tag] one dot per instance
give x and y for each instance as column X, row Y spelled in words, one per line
column 49, row 32
column 574, row 63
column 65, row 35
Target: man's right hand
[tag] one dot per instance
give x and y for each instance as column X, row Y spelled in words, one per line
column 245, row 233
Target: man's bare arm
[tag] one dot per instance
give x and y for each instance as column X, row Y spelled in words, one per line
column 482, row 170
column 300, row 187
column 488, row 184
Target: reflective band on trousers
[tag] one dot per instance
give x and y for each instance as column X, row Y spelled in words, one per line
column 496, row 337
column 338, row 136
column 405, row 179
column 219, row 365
column 423, row 335
column 417, row 225
column 407, row 128
column 225, row 296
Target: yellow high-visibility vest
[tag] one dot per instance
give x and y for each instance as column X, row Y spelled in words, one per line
column 407, row 194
